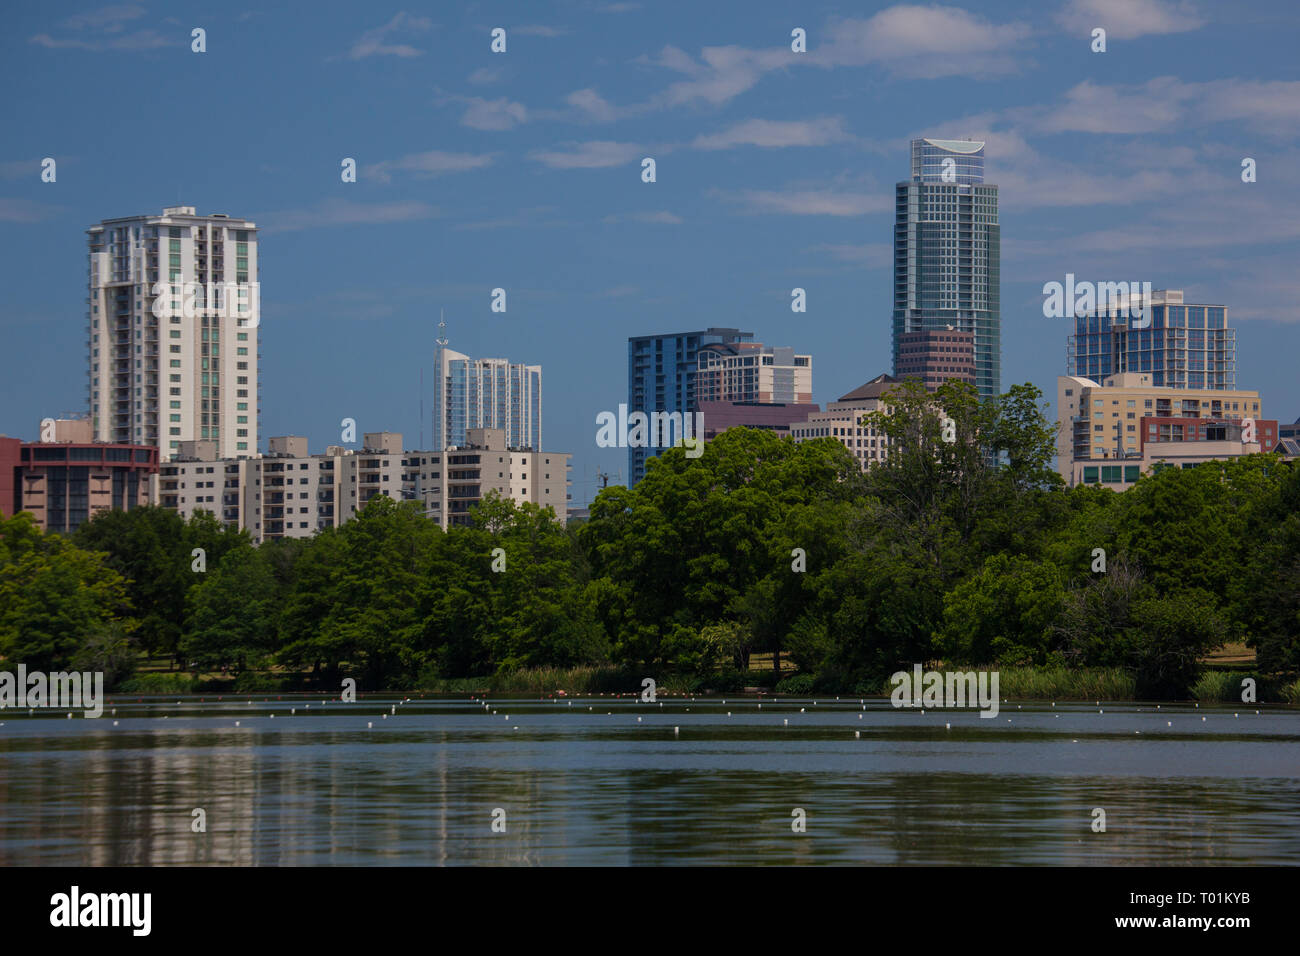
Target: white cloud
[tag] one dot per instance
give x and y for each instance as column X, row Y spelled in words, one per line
column 812, row 202
column 537, row 30
column 433, row 163
column 110, row 19
column 23, row 210
column 723, row 73
column 493, row 114
column 591, row 104
column 926, row 41
column 1130, row 19
column 484, row 76
column 662, row 217
column 374, row 42
column 596, row 154
column 777, row 133
column 341, row 212
column 1163, row 104
column 873, row 255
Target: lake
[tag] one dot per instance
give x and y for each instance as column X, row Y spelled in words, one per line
column 582, row 781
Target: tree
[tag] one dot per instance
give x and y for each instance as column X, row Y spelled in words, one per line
column 1003, row 614
column 53, row 596
column 231, row 617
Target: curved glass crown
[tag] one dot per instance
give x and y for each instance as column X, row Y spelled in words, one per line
column 958, row 161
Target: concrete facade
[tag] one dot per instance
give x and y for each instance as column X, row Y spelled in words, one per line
column 290, row 493
column 181, row 365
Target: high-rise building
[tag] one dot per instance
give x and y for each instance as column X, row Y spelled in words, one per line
column 661, row 377
column 947, row 260
column 1178, row 344
column 485, row 393
column 172, row 331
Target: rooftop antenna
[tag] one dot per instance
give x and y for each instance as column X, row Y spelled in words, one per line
column 441, row 340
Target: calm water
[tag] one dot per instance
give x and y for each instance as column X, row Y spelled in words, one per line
column 583, row 782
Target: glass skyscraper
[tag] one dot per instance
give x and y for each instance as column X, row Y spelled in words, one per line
column 485, row 393
column 1180, row 345
column 661, row 377
column 947, row 255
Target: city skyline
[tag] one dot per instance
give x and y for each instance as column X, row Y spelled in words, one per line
column 524, row 174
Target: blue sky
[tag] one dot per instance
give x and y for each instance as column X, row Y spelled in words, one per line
column 521, row 170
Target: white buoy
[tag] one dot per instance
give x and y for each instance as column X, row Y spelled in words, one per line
column 370, row 725
column 857, row 734
column 114, row 724
column 236, row 723
column 947, row 726
column 787, row 722
column 69, row 715
column 801, row 710
column 638, row 720
column 1169, row 723
column 676, row 731
column 293, row 710
column 1202, row 720
column 859, row 716
column 394, row 709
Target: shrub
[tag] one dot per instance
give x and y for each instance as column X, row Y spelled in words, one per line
column 157, row 684
column 797, row 685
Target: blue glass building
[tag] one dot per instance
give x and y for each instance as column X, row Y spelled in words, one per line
column 1182, row 346
column 947, row 254
column 485, row 393
column 661, row 375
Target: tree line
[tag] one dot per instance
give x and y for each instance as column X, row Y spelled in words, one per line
column 962, row 546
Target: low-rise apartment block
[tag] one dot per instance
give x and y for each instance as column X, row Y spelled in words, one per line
column 64, row 483
column 1116, row 431
column 290, row 493
column 842, row 420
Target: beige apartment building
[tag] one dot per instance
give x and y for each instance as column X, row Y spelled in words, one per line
column 1113, row 432
column 752, row 372
column 290, row 493
column 841, row 420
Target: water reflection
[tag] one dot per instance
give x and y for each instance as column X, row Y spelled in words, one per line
column 582, row 787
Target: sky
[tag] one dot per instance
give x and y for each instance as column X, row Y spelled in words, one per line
column 522, row 170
